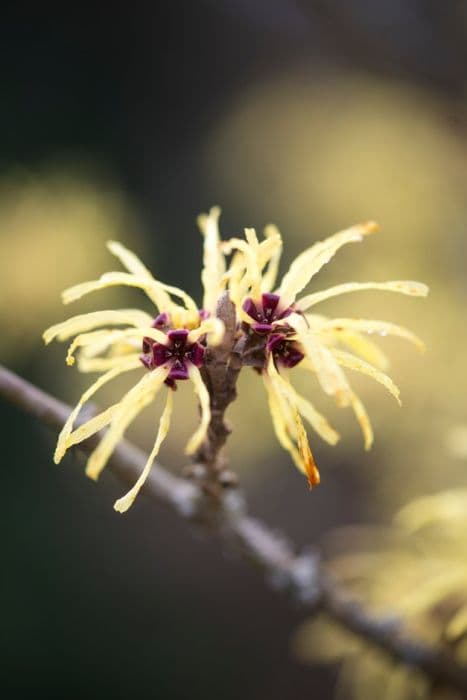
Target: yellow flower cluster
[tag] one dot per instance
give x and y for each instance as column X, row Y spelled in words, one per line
column 274, row 325
column 322, row 345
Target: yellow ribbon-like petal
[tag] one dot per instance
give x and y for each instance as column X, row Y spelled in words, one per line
column 122, row 504
column 382, row 328
column 270, row 253
column 416, row 289
column 87, row 322
column 212, row 275
column 363, row 420
column 63, row 442
column 348, row 360
column 106, row 338
column 328, row 372
column 289, row 429
column 203, row 396
column 310, row 262
column 317, row 421
column 130, row 406
column 212, row 327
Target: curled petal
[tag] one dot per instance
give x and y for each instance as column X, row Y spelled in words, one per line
column 234, row 277
column 382, row 328
column 289, row 430
column 129, row 260
column 363, row 419
column 282, row 419
column 351, row 362
column 363, row 347
column 87, row 322
column 106, row 338
column 129, row 407
column 64, row 441
column 308, row 263
column 112, row 279
column 203, row 396
column 271, row 254
column 98, row 341
column 151, row 287
column 212, row 275
column 317, row 421
column 122, row 504
column 416, row 289
column 90, row 428
column 311, row 470
column 214, row 329
column 250, row 249
column 103, row 364
column 328, row 372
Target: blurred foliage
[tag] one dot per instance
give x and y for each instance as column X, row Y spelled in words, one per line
column 413, row 573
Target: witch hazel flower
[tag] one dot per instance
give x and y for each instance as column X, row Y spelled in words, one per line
column 246, row 318
column 283, row 334
column 164, row 348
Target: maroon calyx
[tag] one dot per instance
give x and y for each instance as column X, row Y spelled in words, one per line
column 177, row 354
column 161, row 321
column 264, row 313
column 285, row 352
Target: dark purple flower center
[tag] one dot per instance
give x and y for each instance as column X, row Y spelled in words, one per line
column 285, row 352
column 265, row 312
column 177, row 354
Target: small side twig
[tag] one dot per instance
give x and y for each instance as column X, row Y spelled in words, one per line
column 301, row 574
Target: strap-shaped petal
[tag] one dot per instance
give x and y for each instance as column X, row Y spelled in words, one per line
column 113, row 279
column 130, row 406
column 129, row 260
column 64, row 441
column 103, row 364
column 234, row 276
column 282, row 419
column 311, row 470
column 289, row 429
column 408, row 287
column 106, row 338
column 92, row 426
column 250, row 249
column 317, row 421
column 110, row 341
column 87, row 322
column 122, row 504
column 134, row 265
column 212, row 327
column 212, row 275
column 363, row 420
column 203, row 397
column 310, row 262
column 382, row 328
column 272, row 255
column 359, row 345
column 329, row 374
column 346, row 359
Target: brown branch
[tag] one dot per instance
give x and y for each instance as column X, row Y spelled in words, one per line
column 301, row 574
column 220, row 374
